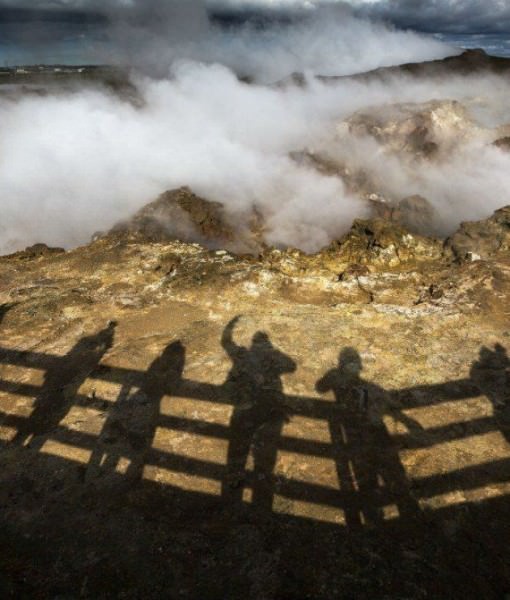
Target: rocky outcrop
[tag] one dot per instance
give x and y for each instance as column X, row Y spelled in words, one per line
column 179, row 215
column 383, row 245
column 503, row 143
column 482, row 239
column 419, row 130
column 414, row 213
column 36, row 251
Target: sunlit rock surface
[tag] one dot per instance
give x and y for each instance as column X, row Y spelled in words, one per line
column 483, row 239
column 419, row 130
column 183, row 422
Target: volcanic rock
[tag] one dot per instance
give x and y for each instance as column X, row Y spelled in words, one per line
column 503, row 143
column 416, row 214
column 469, row 62
column 419, row 130
column 385, row 245
column 183, row 422
column 180, row 214
column 36, row 251
column 482, row 239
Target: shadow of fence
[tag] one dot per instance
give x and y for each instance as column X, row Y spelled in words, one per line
column 246, row 446
column 370, row 475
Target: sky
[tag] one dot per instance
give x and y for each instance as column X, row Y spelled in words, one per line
column 452, row 16
column 80, row 31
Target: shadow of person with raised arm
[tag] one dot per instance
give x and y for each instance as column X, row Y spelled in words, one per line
column 491, row 374
column 129, row 430
column 61, row 385
column 368, row 465
column 255, row 389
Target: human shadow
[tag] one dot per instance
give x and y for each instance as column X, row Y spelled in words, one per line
column 128, row 432
column 491, row 374
column 61, row 385
column 4, row 309
column 368, row 465
column 255, row 390
column 167, row 537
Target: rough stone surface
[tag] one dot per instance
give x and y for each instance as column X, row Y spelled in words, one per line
column 179, row 215
column 482, row 239
column 503, row 143
column 420, row 130
column 182, row 422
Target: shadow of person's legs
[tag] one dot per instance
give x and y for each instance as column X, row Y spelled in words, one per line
column 265, row 450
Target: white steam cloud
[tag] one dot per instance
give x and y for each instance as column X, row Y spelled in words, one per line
column 325, row 39
column 76, row 162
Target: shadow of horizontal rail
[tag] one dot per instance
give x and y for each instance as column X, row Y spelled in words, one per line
column 412, row 397
column 464, row 478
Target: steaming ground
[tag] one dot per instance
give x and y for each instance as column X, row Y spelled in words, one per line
column 78, row 161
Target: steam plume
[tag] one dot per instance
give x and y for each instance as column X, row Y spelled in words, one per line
column 75, row 162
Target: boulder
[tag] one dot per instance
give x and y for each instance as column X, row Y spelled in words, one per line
column 477, row 240
column 36, row 251
column 503, row 143
column 415, row 213
column 179, row 214
column 382, row 244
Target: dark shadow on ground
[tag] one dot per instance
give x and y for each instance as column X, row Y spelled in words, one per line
column 491, row 373
column 61, row 385
column 255, row 390
column 130, row 426
column 4, row 309
column 367, row 459
column 97, row 530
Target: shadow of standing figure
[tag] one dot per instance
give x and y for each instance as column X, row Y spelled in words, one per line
column 368, row 465
column 128, row 432
column 61, row 385
column 255, row 388
column 491, row 374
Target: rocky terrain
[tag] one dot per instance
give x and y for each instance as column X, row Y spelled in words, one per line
column 419, row 138
column 189, row 412
column 190, row 422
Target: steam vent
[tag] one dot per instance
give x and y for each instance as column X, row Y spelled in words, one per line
column 254, row 305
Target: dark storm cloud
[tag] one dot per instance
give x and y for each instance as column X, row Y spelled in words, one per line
column 459, row 16
column 28, row 15
column 20, row 11
column 453, row 16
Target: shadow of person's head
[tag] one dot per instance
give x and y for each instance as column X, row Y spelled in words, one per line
column 261, row 340
column 491, row 374
column 349, row 362
column 174, row 356
column 496, row 359
column 92, row 347
column 262, row 347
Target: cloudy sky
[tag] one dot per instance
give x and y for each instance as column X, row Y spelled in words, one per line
column 471, row 16
column 454, row 16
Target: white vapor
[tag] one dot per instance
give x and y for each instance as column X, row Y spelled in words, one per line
column 76, row 162
column 324, row 39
